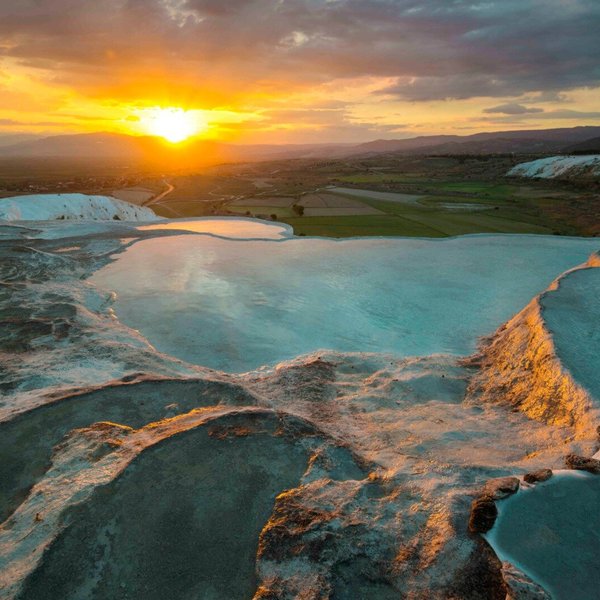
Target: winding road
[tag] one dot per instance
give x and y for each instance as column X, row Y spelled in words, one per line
column 158, row 198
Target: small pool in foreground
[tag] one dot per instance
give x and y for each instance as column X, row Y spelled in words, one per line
column 551, row 532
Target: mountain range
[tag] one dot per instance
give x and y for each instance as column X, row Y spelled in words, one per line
column 155, row 150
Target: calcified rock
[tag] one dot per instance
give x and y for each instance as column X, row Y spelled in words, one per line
column 501, row 487
column 520, row 364
column 46, row 207
column 521, row 587
column 125, row 472
column 483, row 514
column 372, row 510
column 559, row 167
column 582, row 463
column 536, row 476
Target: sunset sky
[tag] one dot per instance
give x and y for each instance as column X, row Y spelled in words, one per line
column 274, row 71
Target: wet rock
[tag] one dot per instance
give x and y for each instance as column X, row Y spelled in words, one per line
column 540, row 475
column 483, row 514
column 286, row 532
column 480, row 578
column 519, row 586
column 198, row 533
column 312, row 381
column 501, row 487
column 582, row 463
column 307, row 587
column 265, row 593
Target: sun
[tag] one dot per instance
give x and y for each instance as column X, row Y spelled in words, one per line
column 173, row 124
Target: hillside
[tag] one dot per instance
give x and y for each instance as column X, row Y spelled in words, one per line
column 518, row 141
column 147, row 149
column 591, row 146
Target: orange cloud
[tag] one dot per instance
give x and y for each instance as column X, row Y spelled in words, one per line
column 263, row 70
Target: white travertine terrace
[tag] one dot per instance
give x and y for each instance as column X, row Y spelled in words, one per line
column 82, row 207
column 559, row 166
column 346, row 472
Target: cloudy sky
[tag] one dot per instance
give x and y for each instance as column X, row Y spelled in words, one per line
column 300, row 70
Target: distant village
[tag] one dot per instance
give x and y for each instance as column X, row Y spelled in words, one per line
column 85, row 184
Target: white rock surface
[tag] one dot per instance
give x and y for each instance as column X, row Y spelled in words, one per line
column 544, row 361
column 558, row 167
column 339, row 474
column 48, row 207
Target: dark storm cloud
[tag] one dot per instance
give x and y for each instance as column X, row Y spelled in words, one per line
column 436, row 49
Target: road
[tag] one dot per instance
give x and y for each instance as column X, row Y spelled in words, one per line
column 158, row 198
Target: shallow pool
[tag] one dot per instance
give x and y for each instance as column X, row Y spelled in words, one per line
column 552, row 533
column 237, row 304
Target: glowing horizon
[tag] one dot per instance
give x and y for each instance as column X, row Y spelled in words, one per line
column 270, row 71
column 173, row 124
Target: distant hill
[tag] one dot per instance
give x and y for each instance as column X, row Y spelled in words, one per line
column 518, row 141
column 281, row 151
column 99, row 145
column 148, row 149
column 11, row 139
column 498, row 145
column 107, row 146
column 591, row 146
column 408, row 144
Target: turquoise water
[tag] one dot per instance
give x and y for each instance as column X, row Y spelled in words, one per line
column 552, row 533
column 572, row 313
column 236, row 305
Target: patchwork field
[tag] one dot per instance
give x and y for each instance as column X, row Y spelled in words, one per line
column 414, row 215
column 444, row 209
column 318, row 204
column 270, row 201
column 374, row 195
column 430, row 196
column 135, row 195
column 332, row 205
column 383, row 195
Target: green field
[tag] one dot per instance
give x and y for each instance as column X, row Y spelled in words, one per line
column 280, row 211
column 380, row 178
column 461, row 208
column 435, row 208
column 412, row 224
column 415, row 195
column 373, row 225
